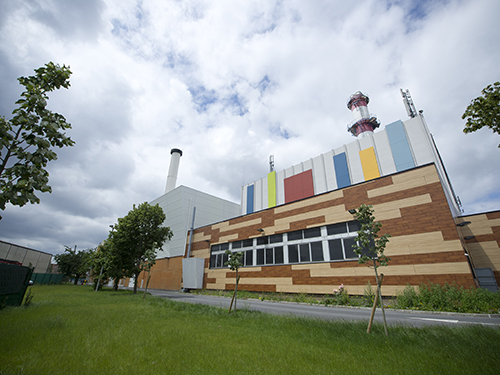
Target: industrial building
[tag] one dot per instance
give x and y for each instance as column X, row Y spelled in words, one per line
column 295, row 230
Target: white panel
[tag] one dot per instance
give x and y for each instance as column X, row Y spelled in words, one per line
column 257, row 196
column 419, row 140
column 297, row 168
column 384, row 153
column 354, row 162
column 331, row 179
column 265, row 193
column 319, row 176
column 4, row 249
column 366, row 141
column 280, row 187
column 192, row 273
column 307, row 165
column 243, row 200
column 289, row 172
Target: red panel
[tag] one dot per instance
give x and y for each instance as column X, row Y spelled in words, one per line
column 299, row 186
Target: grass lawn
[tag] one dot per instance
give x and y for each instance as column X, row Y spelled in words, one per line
column 72, row 330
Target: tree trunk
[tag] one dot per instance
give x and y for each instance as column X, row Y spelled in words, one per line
column 379, row 287
column 77, row 277
column 375, row 302
column 136, row 276
column 234, row 294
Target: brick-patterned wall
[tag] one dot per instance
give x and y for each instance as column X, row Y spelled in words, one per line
column 425, row 245
column 484, row 248
column 165, row 274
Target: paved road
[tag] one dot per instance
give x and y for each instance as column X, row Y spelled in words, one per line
column 413, row 318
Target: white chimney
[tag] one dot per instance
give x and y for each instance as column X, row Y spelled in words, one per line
column 173, row 169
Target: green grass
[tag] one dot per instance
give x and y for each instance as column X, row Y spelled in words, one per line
column 72, row 330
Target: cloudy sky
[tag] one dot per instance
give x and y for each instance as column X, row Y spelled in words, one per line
column 231, row 82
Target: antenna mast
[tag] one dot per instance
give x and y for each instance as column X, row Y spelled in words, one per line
column 271, row 163
column 407, row 100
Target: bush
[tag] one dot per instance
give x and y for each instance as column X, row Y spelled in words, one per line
column 452, row 298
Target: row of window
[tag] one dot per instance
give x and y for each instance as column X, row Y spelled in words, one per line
column 321, row 244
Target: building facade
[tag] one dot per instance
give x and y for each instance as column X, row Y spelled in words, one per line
column 296, row 233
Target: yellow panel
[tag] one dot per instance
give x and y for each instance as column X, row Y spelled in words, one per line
column 271, row 189
column 369, row 164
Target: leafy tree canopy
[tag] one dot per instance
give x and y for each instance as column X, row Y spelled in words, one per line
column 136, row 238
column 484, row 110
column 73, row 263
column 27, row 140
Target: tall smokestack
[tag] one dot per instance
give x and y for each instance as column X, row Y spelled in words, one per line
column 173, row 169
column 363, row 121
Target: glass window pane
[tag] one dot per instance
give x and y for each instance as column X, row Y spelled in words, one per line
column 215, row 248
column 349, row 252
column 293, row 253
column 354, row 226
column 249, row 258
column 269, row 256
column 225, row 258
column 248, row 243
column 336, row 249
column 304, row 253
column 262, row 240
column 278, row 255
column 312, row 232
column 276, row 238
column 219, row 261
column 212, row 261
column 297, row 235
column 236, row 245
column 260, row 257
column 317, row 251
column 224, row 246
column 336, row 229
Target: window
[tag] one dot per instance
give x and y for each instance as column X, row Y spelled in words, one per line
column 328, row 243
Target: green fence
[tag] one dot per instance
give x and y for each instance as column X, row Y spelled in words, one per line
column 14, row 280
column 47, row 278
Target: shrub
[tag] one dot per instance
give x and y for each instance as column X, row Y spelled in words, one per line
column 452, row 298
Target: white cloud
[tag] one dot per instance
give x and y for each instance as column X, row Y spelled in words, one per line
column 231, row 82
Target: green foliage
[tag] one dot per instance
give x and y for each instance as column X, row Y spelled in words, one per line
column 28, row 139
column 134, row 241
column 370, row 247
column 235, row 260
column 74, row 263
column 451, row 298
column 368, row 294
column 484, row 110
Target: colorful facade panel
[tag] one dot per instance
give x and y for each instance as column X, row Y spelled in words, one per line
column 299, row 186
column 369, row 164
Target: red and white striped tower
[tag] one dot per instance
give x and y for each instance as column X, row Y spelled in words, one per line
column 363, row 121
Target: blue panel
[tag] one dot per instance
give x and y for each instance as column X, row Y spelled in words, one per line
column 341, row 170
column 250, row 189
column 399, row 146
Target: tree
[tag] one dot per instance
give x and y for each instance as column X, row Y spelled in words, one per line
column 370, row 248
column 28, row 139
column 73, row 263
column 137, row 237
column 484, row 110
column 105, row 264
column 234, row 262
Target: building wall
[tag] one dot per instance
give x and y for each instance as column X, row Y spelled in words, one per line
column 26, row 256
column 484, row 248
column 398, row 147
column 178, row 207
column 166, row 274
column 411, row 205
